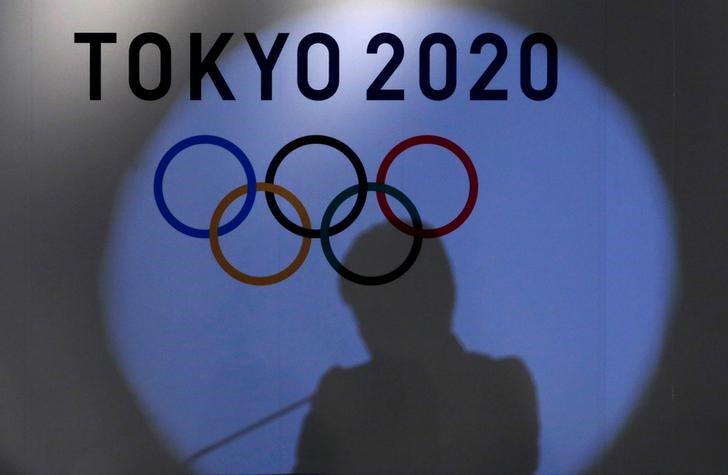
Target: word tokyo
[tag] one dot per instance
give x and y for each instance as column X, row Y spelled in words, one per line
column 205, row 65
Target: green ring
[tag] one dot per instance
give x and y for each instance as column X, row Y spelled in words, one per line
column 366, row 279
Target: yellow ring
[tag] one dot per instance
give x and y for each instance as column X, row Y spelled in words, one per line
column 215, row 241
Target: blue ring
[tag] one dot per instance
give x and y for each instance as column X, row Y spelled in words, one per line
column 162, row 169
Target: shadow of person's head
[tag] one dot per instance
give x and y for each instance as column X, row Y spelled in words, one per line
column 410, row 315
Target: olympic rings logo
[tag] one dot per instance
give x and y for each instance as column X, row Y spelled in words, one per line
column 326, row 229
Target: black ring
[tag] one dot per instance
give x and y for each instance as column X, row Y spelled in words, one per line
column 361, row 177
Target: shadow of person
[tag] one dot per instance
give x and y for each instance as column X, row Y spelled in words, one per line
column 421, row 404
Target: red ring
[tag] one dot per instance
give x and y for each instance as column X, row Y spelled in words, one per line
column 472, row 178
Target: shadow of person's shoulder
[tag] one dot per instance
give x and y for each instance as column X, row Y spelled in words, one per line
column 509, row 373
column 341, row 381
column 506, row 364
column 363, row 374
column 349, row 395
column 344, row 374
column 372, row 385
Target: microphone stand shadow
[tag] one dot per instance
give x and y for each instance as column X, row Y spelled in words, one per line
column 198, row 454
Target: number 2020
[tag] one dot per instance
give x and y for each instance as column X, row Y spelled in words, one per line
column 479, row 91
